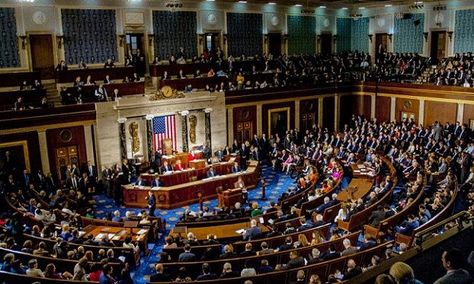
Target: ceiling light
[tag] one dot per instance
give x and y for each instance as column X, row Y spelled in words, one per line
column 322, row 7
column 271, row 3
column 298, row 5
column 242, row 2
column 418, row 2
column 344, row 8
column 361, row 8
column 388, row 5
column 210, row 0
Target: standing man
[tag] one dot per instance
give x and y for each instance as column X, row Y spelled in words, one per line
column 151, row 203
column 452, row 260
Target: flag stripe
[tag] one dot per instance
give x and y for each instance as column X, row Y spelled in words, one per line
column 164, row 127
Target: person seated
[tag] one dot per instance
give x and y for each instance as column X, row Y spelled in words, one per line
column 166, row 168
column 206, row 273
column 295, row 260
column 140, row 181
column 19, row 104
column 156, row 181
column 211, row 73
column 89, row 81
column 107, row 79
column 116, row 94
column 178, row 166
column 264, row 267
column 78, row 82
column 227, row 271
column 160, row 276
column 82, row 65
column 117, row 217
column 109, row 63
column 352, row 270
column 33, row 270
column 192, row 156
column 126, row 80
column 62, row 66
column 101, row 94
column 37, row 85
column 253, row 232
column 181, row 74
column 187, row 255
column 211, row 172
column 135, row 77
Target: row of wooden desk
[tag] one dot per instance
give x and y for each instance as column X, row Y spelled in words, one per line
column 125, row 89
column 179, row 195
column 96, row 74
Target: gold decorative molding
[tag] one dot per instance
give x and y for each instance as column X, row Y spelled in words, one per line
column 166, row 93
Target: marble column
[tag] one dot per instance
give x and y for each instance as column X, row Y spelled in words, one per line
column 207, row 122
column 122, row 136
column 43, row 144
column 184, row 129
column 149, row 137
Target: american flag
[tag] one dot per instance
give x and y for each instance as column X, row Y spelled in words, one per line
column 164, row 127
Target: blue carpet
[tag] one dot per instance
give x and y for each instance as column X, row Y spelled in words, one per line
column 277, row 183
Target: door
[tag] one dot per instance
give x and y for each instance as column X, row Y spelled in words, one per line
column 42, row 60
column 438, row 45
column 244, row 131
column 211, row 42
column 325, row 43
column 380, row 44
column 65, row 156
column 134, row 51
column 274, row 44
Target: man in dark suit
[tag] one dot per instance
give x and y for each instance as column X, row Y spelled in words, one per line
column 377, row 216
column 235, row 167
column 253, row 232
column 244, row 156
column 151, row 203
column 206, row 273
column 352, row 270
column 211, row 172
column 166, row 168
column 187, row 255
column 295, row 260
column 156, row 181
column 452, row 260
column 159, row 276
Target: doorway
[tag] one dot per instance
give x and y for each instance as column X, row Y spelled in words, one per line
column 135, row 52
column 381, row 42
column 325, row 43
column 211, row 42
column 274, row 44
column 66, row 156
column 42, row 59
column 438, row 46
column 244, row 131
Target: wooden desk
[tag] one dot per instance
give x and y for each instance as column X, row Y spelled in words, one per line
column 231, row 196
column 222, row 232
column 118, row 234
column 197, row 164
column 183, row 157
column 361, row 171
column 187, row 193
column 363, row 186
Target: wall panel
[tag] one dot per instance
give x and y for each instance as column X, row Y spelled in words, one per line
column 244, row 34
column 439, row 111
column 9, row 56
column 270, row 113
column 468, row 113
column 382, row 108
column 408, row 106
column 33, row 146
column 301, row 34
column 408, row 34
column 245, row 123
column 328, row 113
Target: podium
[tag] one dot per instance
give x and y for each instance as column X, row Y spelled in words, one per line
column 231, row 196
column 197, row 164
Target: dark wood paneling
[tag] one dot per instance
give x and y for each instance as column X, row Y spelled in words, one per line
column 407, row 105
column 382, row 108
column 468, row 113
column 55, row 141
column 33, row 146
column 268, row 107
column 353, row 104
column 308, row 113
column 242, row 115
column 42, row 55
column 15, row 79
column 328, row 113
column 439, row 111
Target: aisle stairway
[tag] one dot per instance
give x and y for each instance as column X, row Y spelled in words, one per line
column 52, row 93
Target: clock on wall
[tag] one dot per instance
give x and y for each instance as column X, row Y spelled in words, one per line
column 65, row 135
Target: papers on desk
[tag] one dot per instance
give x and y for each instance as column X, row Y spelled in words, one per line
column 81, row 233
column 141, row 232
column 100, row 236
column 361, row 166
column 116, row 238
column 261, row 220
column 240, row 232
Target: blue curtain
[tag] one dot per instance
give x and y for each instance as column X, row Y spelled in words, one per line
column 174, row 30
column 9, row 56
column 344, row 34
column 408, row 34
column 89, row 35
column 244, row 34
column 301, row 34
column 464, row 31
column 359, row 32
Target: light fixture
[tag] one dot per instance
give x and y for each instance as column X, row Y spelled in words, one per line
column 388, row 5
column 322, row 7
column 271, row 3
column 298, row 5
column 344, row 8
column 26, row 1
column 210, row 0
column 242, row 2
column 361, row 8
